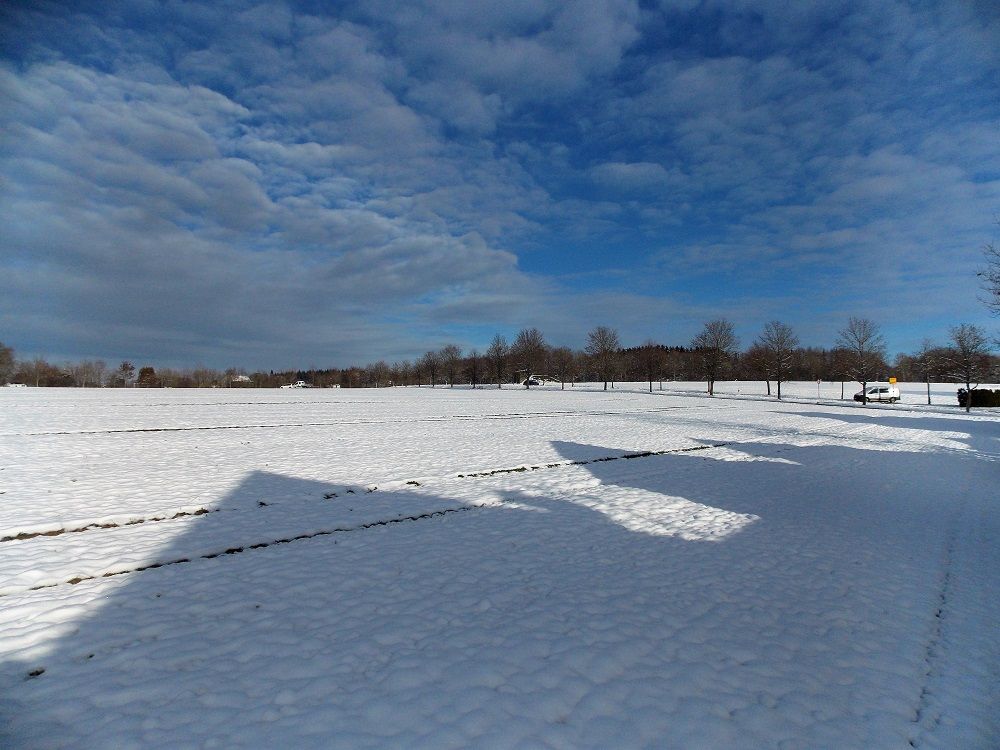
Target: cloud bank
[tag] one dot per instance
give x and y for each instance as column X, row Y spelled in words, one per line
column 269, row 184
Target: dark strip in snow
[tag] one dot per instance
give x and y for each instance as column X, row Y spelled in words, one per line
column 59, row 532
column 935, row 646
column 350, row 422
column 624, row 456
column 369, row 489
column 263, row 545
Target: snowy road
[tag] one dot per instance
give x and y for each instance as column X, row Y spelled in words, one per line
column 417, row 568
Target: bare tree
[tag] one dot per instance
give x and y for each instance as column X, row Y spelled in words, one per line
column 33, row 370
column 430, row 363
column 378, row 373
column 401, row 372
column 207, row 377
column 564, row 362
column 451, row 360
column 969, row 358
column 100, row 368
column 778, row 344
column 603, row 347
column 652, row 359
column 7, row 363
column 755, row 362
column 473, row 365
column 928, row 363
column 497, row 354
column 80, row 372
column 41, row 373
column 864, row 350
column 991, row 277
column 716, row 344
column 417, row 372
column 528, row 352
column 126, row 370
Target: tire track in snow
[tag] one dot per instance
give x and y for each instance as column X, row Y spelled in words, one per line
column 934, row 650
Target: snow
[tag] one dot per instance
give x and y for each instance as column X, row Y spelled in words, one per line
column 456, row 568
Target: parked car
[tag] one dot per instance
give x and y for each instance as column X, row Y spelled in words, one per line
column 296, row 384
column 889, row 393
column 538, row 380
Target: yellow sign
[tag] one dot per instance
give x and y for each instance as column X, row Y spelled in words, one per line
column 892, row 381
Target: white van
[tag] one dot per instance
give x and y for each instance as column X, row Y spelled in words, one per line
column 297, row 384
column 888, row 393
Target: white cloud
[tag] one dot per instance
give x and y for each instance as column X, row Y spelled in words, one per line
column 392, row 163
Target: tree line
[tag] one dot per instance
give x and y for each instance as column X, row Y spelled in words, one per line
column 774, row 356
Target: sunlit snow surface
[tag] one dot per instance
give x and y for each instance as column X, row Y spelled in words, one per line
column 455, row 568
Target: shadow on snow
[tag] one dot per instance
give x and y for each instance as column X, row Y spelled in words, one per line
column 981, row 435
column 542, row 621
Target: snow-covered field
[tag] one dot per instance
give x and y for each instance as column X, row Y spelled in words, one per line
column 453, row 568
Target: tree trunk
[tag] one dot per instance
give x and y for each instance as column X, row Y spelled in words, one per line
column 605, row 385
column 779, row 390
column 968, row 396
column 928, row 391
column 768, row 381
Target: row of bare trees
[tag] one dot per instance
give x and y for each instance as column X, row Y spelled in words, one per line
column 713, row 354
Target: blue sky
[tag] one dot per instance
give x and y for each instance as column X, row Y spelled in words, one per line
column 295, row 184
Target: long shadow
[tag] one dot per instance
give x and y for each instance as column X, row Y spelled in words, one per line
column 982, row 435
column 208, row 636
column 543, row 621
